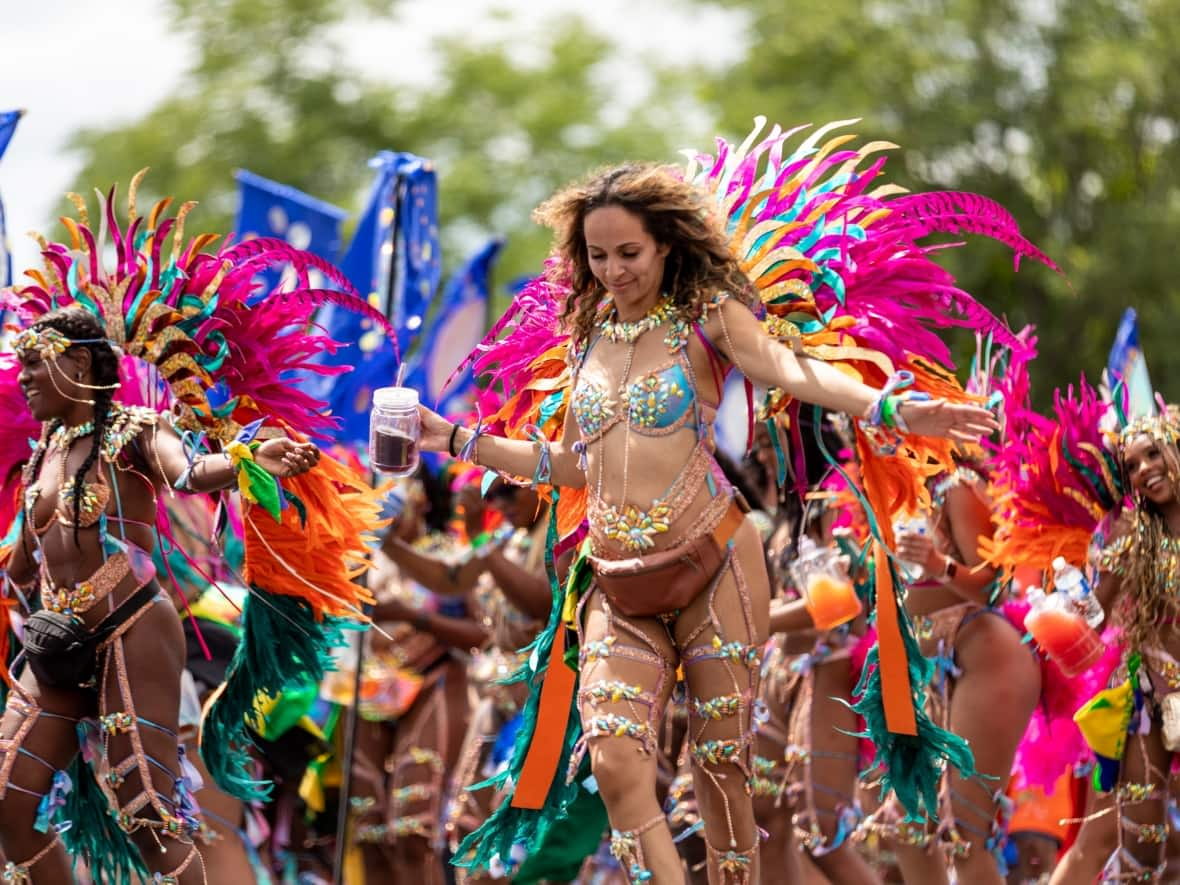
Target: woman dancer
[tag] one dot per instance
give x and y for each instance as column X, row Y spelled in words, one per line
column 69, row 374
column 655, row 287
column 106, row 651
column 806, row 752
column 982, row 667
column 665, row 336
column 506, row 590
column 1139, row 568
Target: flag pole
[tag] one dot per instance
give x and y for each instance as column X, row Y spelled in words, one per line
column 350, row 716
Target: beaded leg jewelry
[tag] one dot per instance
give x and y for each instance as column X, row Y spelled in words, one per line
column 52, row 801
column 627, row 848
column 174, row 817
column 19, row 873
column 713, row 719
column 1125, row 864
column 800, row 753
column 614, row 708
column 735, row 867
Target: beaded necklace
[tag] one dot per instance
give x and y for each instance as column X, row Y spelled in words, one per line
column 615, row 330
column 64, row 437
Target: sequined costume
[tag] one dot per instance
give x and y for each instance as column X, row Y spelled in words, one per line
column 1065, row 474
column 661, row 403
column 143, row 789
column 1146, row 676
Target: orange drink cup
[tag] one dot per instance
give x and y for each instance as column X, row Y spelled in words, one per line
column 1066, row 638
column 830, row 600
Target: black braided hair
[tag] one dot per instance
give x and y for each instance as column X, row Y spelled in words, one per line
column 78, row 324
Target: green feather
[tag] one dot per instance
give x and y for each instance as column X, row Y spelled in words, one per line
column 94, row 835
column 508, row 826
column 910, row 766
column 284, row 646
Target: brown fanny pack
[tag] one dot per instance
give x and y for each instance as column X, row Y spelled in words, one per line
column 668, row 580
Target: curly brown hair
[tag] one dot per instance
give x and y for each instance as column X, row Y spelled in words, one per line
column 1142, row 555
column 700, row 263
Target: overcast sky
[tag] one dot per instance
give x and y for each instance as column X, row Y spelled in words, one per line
column 73, row 63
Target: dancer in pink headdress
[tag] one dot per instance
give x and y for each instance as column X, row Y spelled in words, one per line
column 649, row 302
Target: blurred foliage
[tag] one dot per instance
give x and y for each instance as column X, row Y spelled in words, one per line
column 1063, row 110
column 270, row 90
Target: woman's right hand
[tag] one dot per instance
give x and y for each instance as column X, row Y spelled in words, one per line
column 436, row 431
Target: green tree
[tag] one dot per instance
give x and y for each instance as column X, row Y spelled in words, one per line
column 503, row 129
column 1063, row 112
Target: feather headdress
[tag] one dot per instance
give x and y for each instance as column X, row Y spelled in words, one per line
column 228, row 353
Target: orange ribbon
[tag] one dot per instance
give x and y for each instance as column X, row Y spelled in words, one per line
column 553, row 713
column 896, row 693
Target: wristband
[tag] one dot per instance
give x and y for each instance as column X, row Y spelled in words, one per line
column 543, row 475
column 451, row 443
column 470, row 452
column 480, row 539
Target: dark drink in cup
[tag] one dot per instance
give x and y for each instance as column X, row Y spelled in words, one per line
column 394, row 452
column 394, row 431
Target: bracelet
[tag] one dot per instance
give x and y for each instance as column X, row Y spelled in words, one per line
column 543, row 475
column 480, row 539
column 421, row 621
column 882, row 420
column 451, row 444
column 882, row 411
column 469, row 452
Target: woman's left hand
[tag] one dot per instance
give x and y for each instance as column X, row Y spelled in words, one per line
column 285, row 457
column 961, row 422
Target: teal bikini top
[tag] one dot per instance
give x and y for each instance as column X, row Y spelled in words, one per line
column 658, row 403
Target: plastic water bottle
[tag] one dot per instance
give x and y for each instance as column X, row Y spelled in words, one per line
column 1070, row 580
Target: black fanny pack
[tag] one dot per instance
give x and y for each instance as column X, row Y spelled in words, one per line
column 62, row 652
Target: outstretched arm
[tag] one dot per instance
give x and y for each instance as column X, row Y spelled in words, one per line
column 165, row 456
column 742, row 340
column 512, row 456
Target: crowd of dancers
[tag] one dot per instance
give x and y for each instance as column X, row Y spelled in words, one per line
column 580, row 644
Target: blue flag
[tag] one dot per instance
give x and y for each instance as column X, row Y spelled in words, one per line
column 8, row 121
column 270, row 209
column 458, row 326
column 400, row 221
column 1127, row 363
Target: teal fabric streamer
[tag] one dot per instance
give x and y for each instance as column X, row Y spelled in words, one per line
column 510, row 830
column 910, row 766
